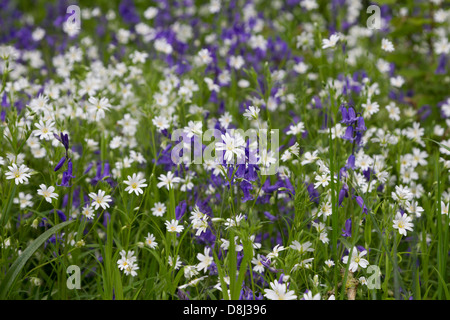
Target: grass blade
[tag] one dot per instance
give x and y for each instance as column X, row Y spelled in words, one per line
column 20, row 262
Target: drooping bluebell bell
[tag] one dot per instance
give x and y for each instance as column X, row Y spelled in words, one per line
column 67, row 175
column 441, row 67
column 347, row 231
column 360, row 202
column 180, row 210
column 343, row 193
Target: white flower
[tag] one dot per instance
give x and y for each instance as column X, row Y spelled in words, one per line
column 150, row 241
column 300, row 67
column 279, row 292
column 135, row 184
column 190, row 271
column 163, row 46
column 403, row 223
column 309, row 157
column 308, row 296
column 71, row 28
column 370, row 107
column 47, row 192
column 127, row 263
column 159, row 209
column 173, row 226
column 161, row 123
column 329, row 263
column 98, row 107
column 444, row 208
column 236, row 62
column 225, row 119
column 88, row 212
column 302, row 248
column 177, row 261
column 45, row 129
column 234, row 222
column 193, row 128
column 231, row 145
column 295, row 129
column 275, row 250
column 24, row 200
column 322, row 180
column 205, row 56
column 402, row 194
column 251, row 113
column 19, row 174
column 356, row 260
column 150, row 13
column 100, row 199
column 397, row 81
column 205, row 260
column 330, row 43
column 387, row 45
column 259, row 267
column 168, row 180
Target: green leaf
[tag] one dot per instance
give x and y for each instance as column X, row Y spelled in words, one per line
column 20, row 262
column 221, row 277
column 444, row 284
column 440, row 144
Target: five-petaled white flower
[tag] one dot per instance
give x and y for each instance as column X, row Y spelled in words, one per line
column 44, row 129
column 279, row 291
column 98, row 107
column 403, row 223
column 173, row 226
column 330, row 43
column 205, row 260
column 150, row 241
column 100, row 199
column 19, row 174
column 135, row 184
column 387, row 45
column 47, row 192
column 356, row 260
column 168, row 180
column 231, row 145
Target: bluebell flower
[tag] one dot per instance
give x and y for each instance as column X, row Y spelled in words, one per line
column 347, row 231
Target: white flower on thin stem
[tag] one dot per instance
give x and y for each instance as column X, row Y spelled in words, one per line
column 98, row 107
column 387, row 45
column 24, row 200
column 308, row 296
column 301, row 247
column 135, row 184
column 259, row 267
column 150, row 241
column 403, row 223
column 251, row 113
column 295, row 129
column 279, row 291
column 88, row 212
column 45, row 129
column 322, row 180
column 173, row 226
column 356, row 260
column 205, row 260
column 19, row 174
column 231, row 145
column 168, row 180
column 47, row 192
column 100, row 199
column 159, row 209
column 330, row 43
